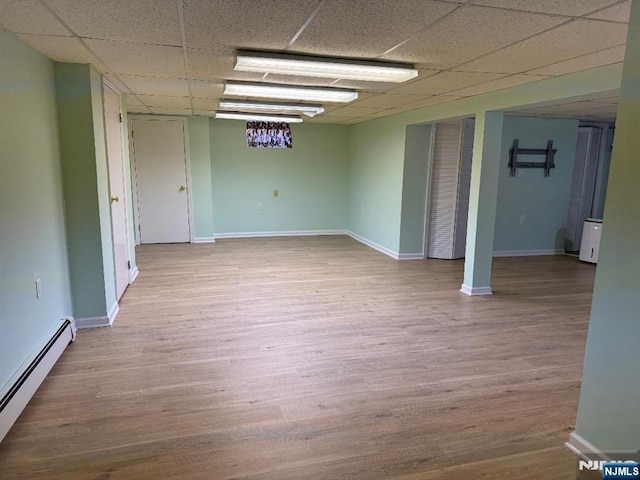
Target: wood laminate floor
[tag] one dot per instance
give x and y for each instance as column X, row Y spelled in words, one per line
column 314, row 358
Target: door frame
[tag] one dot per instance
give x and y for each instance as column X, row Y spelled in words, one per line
column 427, row 197
column 126, row 182
column 134, row 170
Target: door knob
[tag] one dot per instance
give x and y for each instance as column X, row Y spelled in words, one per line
column 114, row 199
column 182, row 188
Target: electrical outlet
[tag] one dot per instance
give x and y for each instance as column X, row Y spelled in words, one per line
column 523, row 219
column 520, row 172
column 259, row 206
column 38, row 288
column 275, row 193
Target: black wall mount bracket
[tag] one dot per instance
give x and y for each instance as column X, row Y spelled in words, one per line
column 548, row 163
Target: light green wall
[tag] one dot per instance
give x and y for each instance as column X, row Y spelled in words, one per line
column 543, row 200
column 311, row 179
column 375, row 182
column 609, row 408
column 200, row 155
column 414, row 188
column 80, row 115
column 32, row 235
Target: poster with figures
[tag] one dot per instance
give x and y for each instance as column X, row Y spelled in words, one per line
column 269, row 135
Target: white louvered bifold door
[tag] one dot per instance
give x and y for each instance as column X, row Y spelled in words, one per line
column 582, row 185
column 464, row 186
column 445, row 173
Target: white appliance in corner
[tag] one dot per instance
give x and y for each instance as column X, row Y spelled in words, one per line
column 590, row 246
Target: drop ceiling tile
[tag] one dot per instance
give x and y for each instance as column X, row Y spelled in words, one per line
column 499, row 84
column 325, row 119
column 165, row 102
column 355, row 29
column 210, row 65
column 116, row 82
column 353, row 121
column 430, row 101
column 215, row 24
column 573, row 8
column 142, row 21
column 137, row 109
column 387, row 100
column 468, row 33
column 446, row 82
column 584, row 62
column 62, row 49
column 616, row 13
column 140, row 59
column 132, row 101
column 171, row 111
column 298, row 80
column 156, row 86
column 578, row 37
column 30, row 16
column 206, row 89
column 204, row 113
column 205, row 103
column 350, row 111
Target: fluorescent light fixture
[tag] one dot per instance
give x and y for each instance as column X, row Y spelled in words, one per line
column 246, row 105
column 289, row 92
column 258, row 117
column 311, row 66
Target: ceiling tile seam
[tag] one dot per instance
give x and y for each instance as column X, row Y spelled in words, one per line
column 571, row 19
column 130, row 42
column 533, row 12
column 185, row 53
column 306, row 23
column 53, row 12
column 431, row 25
column 572, row 58
column 604, row 8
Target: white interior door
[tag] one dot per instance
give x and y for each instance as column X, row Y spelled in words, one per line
column 161, row 180
column 114, row 140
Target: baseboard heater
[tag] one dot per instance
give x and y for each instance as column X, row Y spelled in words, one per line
column 20, row 389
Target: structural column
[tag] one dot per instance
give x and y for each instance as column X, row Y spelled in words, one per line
column 483, row 197
column 608, row 421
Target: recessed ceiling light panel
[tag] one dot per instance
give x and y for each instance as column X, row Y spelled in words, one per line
column 289, row 92
column 246, row 105
column 310, row 66
column 258, row 117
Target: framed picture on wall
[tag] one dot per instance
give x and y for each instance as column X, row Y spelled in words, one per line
column 269, row 135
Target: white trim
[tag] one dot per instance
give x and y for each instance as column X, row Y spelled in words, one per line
column 474, row 291
column 98, row 322
column 527, row 253
column 289, row 233
column 204, row 240
column 584, row 449
column 410, row 256
column 16, row 405
column 133, row 274
column 373, row 245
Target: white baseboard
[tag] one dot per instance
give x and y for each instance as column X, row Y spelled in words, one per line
column 17, row 392
column 98, row 322
column 373, row 245
column 204, row 240
column 410, row 256
column 291, row 233
column 133, row 274
column 473, row 291
column 583, row 449
column 527, row 253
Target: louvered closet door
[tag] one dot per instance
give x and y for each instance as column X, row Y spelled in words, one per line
column 582, row 185
column 464, row 188
column 445, row 171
